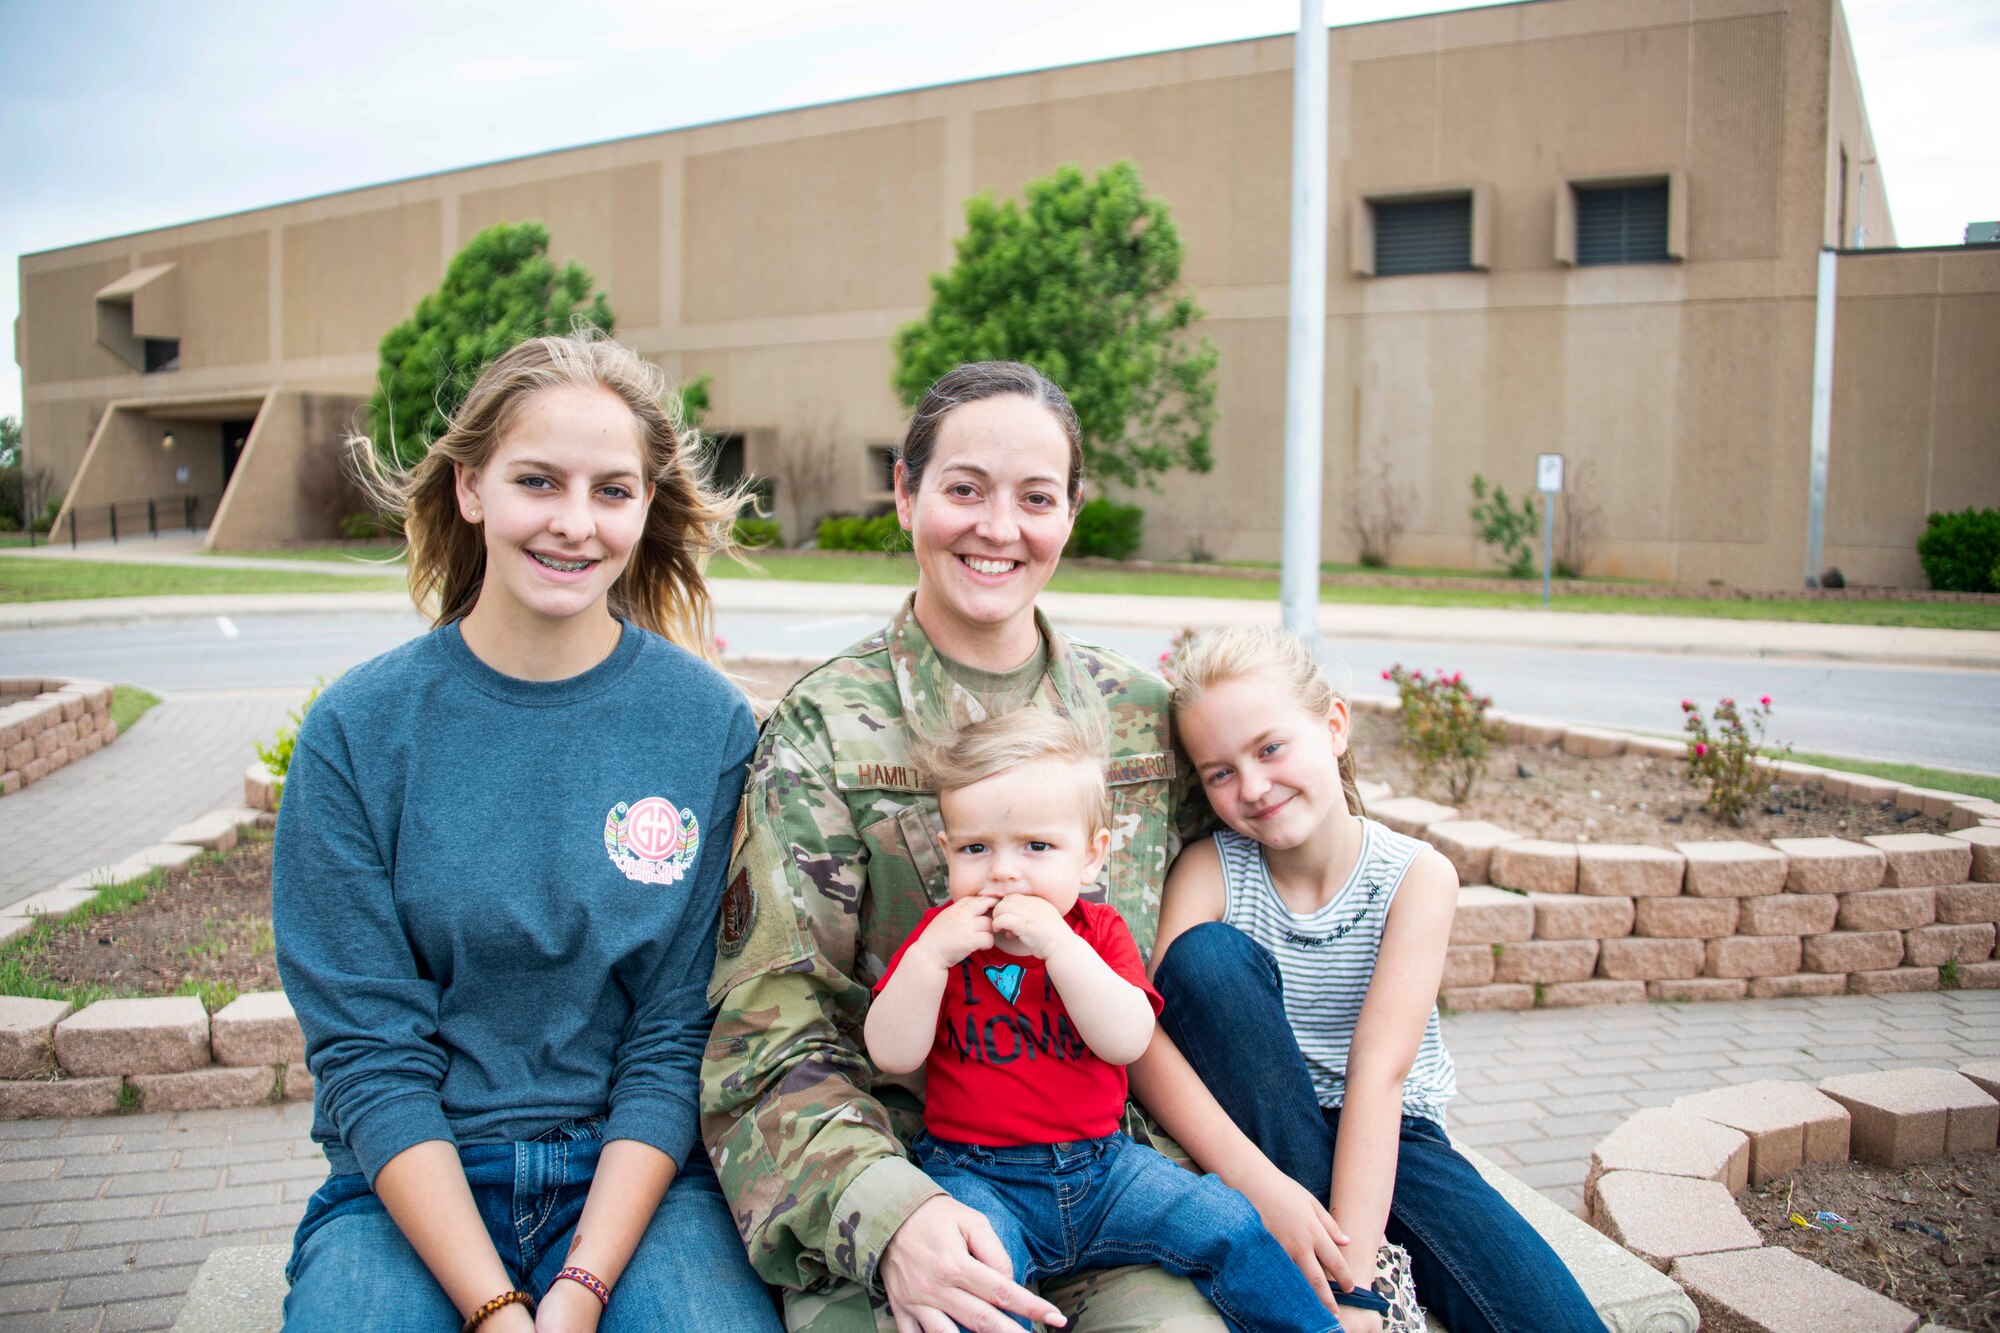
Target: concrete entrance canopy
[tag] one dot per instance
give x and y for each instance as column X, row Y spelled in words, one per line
column 289, row 482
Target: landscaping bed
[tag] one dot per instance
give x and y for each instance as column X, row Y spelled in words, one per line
column 1954, row 1282
column 204, row 929
column 1633, row 798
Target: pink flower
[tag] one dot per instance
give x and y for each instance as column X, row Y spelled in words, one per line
column 1700, row 748
column 1457, row 676
column 1729, row 703
column 1766, row 701
column 1687, row 705
column 1388, row 675
column 721, row 644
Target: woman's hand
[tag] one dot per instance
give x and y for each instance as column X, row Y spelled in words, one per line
column 1303, row 1226
column 945, row 1267
column 568, row 1308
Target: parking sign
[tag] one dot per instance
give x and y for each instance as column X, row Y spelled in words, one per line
column 1549, row 473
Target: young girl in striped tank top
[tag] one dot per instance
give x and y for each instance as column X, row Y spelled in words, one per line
column 1299, row 954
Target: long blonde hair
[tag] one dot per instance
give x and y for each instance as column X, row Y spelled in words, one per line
column 1244, row 650
column 662, row 587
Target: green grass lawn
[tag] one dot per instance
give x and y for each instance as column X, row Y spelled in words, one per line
column 335, row 553
column 128, row 704
column 901, row 571
column 1914, row 775
column 37, row 580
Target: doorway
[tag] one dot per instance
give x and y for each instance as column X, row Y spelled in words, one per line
column 235, row 434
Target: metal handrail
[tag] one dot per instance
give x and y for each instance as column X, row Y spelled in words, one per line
column 158, row 512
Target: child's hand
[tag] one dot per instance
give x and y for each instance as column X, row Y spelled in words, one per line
column 1033, row 921
column 1356, row 1320
column 958, row 931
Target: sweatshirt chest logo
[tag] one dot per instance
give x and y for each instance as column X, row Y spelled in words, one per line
column 651, row 842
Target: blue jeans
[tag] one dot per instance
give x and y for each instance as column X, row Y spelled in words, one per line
column 1099, row 1203
column 352, row 1270
column 1477, row 1263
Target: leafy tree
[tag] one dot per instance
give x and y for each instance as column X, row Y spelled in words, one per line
column 501, row 288
column 10, row 441
column 1077, row 280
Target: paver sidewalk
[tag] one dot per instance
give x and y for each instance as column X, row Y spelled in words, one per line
column 104, row 1221
column 181, row 760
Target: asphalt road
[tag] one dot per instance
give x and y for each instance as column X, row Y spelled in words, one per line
column 1949, row 719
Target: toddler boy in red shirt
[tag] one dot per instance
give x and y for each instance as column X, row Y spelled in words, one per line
column 1023, row 1004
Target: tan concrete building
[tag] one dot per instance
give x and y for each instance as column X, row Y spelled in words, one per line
column 1586, row 226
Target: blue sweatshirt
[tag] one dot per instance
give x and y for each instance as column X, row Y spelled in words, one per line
column 495, row 899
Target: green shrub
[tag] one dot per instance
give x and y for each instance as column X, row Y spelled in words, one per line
column 854, row 532
column 366, row 526
column 1445, row 727
column 1508, row 530
column 1961, row 551
column 1726, row 756
column 277, row 756
column 1106, row 528
column 755, row 532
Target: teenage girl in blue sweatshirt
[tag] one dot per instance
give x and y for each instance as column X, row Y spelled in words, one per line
column 497, row 874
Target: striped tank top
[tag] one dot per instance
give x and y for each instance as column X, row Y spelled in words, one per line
column 1328, row 958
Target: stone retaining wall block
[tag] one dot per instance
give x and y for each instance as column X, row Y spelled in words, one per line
column 1545, row 961
column 1732, row 869
column 1853, row 951
column 1593, row 742
column 1651, row 959
column 1534, row 866
column 1893, row 981
column 1468, row 844
column 1968, row 814
column 1772, row 1290
column 1985, row 844
column 163, row 1035
column 1788, row 914
column 45, row 1099
column 1962, row 904
column 1667, row 1142
column 1525, row 730
column 1753, row 956
column 1917, row 859
column 256, row 1029
column 1697, row 989
column 205, row 1089
column 1906, row 1115
column 1788, row 1123
column 27, row 1035
column 1686, row 918
column 1487, row 915
column 1933, row 946
column 1888, row 909
column 1468, row 965
column 1797, row 985
column 1984, row 1074
column 1481, row 999
column 1570, row 916
column 1628, row 870
column 1979, row 976
column 1661, row 1218
column 1577, row 994
column 215, row 832
column 298, row 1083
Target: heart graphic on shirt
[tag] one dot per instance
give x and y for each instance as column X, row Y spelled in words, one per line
column 1007, row 980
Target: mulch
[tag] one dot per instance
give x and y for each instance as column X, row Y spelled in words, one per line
column 1926, row 1235
column 1541, row 792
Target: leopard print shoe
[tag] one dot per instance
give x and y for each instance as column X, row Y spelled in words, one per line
column 1394, row 1284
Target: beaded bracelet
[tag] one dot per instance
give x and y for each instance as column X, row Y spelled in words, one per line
column 497, row 1304
column 588, row 1280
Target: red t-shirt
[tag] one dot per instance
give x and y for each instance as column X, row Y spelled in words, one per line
column 1008, row 1067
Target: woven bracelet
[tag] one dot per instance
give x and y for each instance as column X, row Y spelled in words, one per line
column 497, row 1304
column 588, row 1280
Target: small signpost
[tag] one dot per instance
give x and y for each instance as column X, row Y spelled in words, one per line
column 1549, row 481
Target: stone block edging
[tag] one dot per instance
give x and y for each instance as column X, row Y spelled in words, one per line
column 165, row 1052
column 1662, row 1184
column 50, row 722
column 1744, row 904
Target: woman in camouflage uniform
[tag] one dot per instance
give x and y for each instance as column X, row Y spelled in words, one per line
column 837, row 856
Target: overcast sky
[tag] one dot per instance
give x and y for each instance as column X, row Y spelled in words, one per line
column 122, row 115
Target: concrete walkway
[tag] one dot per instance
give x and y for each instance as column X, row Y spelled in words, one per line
column 181, row 760
column 104, row 1221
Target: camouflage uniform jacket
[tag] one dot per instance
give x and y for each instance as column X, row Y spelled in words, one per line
column 836, row 857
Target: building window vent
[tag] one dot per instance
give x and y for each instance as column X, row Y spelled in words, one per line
column 1423, row 235
column 1622, row 224
column 162, row 354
